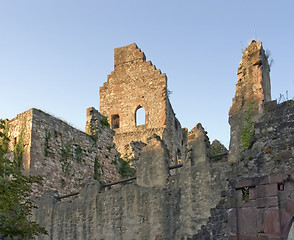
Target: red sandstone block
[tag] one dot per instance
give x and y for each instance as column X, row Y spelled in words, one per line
column 247, row 221
column 249, row 182
column 247, row 238
column 260, row 191
column 276, row 178
column 232, row 220
column 249, row 203
column 260, row 180
column 271, row 189
column 289, row 207
column 264, row 180
column 233, row 237
column 267, row 202
column 260, row 220
column 252, row 193
column 272, row 222
column 285, row 221
column 267, row 190
column 262, row 237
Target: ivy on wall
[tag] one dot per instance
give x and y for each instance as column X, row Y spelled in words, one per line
column 104, row 122
column 248, row 130
column 18, row 150
column 46, row 145
column 66, row 156
column 97, row 170
column 78, row 154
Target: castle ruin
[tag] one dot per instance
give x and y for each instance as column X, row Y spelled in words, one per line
column 250, row 196
column 134, row 85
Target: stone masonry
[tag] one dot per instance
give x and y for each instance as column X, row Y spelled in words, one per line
column 61, row 154
column 135, row 84
column 250, row 196
column 253, row 88
column 249, row 199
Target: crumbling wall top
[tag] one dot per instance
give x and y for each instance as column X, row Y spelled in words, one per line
column 128, row 53
column 253, row 79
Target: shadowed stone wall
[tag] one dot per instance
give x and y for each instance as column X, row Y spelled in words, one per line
column 259, row 202
column 158, row 206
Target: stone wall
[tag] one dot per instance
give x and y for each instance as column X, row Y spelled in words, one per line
column 272, row 149
column 61, row 154
column 259, row 202
column 21, row 127
column 248, row 197
column 253, row 89
column 134, row 84
column 160, row 205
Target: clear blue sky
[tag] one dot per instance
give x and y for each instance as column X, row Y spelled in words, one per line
column 54, row 55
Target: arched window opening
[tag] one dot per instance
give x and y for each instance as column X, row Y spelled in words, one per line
column 140, row 116
column 115, row 121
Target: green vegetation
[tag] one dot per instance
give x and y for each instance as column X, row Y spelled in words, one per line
column 46, row 146
column 109, row 148
column 94, row 136
column 15, row 189
column 62, row 182
column 104, row 122
column 97, row 170
column 245, row 194
column 79, row 153
column 125, row 169
column 18, row 150
column 4, row 140
column 248, row 130
column 217, row 148
column 66, row 155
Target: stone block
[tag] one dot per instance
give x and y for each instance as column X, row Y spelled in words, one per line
column 241, row 237
column 248, row 182
column 90, row 187
column 260, row 191
column 252, row 193
column 272, row 222
column 289, row 206
column 247, row 221
column 266, row 190
column 285, row 222
column 152, row 167
column 276, row 178
column 267, row 202
column 233, row 237
column 260, row 220
column 262, row 237
column 232, row 221
column 249, row 203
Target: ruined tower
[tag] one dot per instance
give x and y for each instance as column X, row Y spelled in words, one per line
column 253, row 89
column 136, row 85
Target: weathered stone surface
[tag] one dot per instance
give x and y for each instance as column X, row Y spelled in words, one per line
column 199, row 143
column 136, row 84
column 61, row 154
column 251, row 198
column 253, row 87
column 152, row 168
